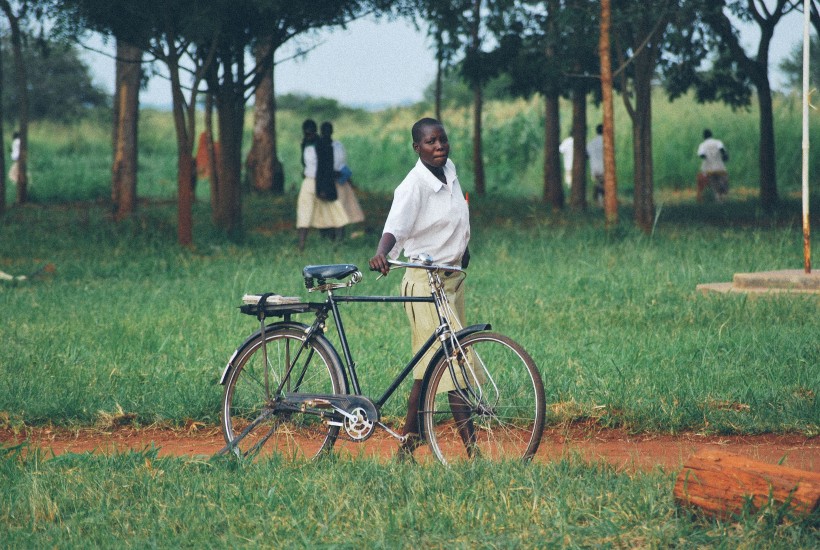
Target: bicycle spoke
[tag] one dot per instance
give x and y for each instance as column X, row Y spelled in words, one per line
column 252, row 422
column 495, row 410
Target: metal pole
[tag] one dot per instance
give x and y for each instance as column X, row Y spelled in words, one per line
column 806, row 231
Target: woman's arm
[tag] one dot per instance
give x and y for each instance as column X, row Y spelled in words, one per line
column 379, row 261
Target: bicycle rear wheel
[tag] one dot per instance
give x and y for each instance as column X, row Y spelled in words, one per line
column 496, row 412
column 255, row 416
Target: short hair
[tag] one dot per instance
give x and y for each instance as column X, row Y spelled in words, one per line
column 326, row 128
column 420, row 125
column 707, row 133
column 599, row 129
column 309, row 125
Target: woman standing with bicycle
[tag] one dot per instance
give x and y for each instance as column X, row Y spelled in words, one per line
column 429, row 217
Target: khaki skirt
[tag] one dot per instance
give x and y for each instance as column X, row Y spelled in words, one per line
column 311, row 211
column 423, row 318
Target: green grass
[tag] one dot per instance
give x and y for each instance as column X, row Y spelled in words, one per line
column 126, row 324
column 128, row 321
column 139, row 500
column 73, row 162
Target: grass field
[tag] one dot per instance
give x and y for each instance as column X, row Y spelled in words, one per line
column 124, row 324
column 611, row 318
column 73, row 162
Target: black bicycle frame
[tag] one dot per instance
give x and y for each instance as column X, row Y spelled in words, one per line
column 350, row 366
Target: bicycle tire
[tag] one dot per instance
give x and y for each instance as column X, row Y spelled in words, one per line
column 502, row 403
column 245, row 401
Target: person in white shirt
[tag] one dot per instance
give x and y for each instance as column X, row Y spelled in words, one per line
column 14, row 171
column 342, row 174
column 595, row 152
column 566, row 150
column 311, row 210
column 712, row 173
column 429, row 215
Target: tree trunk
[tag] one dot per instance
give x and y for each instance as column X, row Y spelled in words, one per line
column 2, row 148
column 230, row 103
column 478, row 153
column 579, row 155
column 610, row 181
column 278, row 184
column 21, row 83
column 213, row 166
column 185, row 158
column 642, row 141
column 260, row 163
column 124, row 169
column 768, row 173
column 437, row 92
column 553, row 191
column 478, row 107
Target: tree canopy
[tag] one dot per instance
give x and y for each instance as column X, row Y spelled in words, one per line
column 62, row 90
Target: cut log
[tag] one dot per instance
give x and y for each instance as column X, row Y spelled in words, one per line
column 721, row 484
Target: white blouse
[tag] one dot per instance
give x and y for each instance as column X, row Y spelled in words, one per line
column 429, row 217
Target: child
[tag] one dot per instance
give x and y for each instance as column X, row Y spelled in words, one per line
column 429, row 215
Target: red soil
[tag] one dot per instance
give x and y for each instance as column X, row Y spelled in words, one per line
column 625, row 451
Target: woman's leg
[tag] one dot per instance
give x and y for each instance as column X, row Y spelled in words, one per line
column 464, row 424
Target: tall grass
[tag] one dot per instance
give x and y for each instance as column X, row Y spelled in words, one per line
column 73, row 163
column 128, row 321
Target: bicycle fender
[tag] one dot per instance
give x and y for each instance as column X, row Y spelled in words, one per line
column 250, row 339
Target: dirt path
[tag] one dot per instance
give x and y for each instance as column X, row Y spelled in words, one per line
column 625, row 451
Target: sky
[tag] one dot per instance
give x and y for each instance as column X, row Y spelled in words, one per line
column 379, row 63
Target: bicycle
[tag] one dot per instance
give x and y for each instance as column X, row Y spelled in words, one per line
column 288, row 388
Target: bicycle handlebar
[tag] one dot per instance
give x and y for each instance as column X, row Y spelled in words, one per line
column 425, row 265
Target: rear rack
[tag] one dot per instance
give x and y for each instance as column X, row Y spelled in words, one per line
column 273, row 305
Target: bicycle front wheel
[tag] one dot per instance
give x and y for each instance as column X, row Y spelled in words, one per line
column 255, row 414
column 488, row 402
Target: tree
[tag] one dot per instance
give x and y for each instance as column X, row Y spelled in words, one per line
column 126, row 117
column 170, row 32
column 477, row 80
column 72, row 21
column 62, row 90
column 231, row 80
column 2, row 144
column 530, row 38
column 266, row 171
column 640, row 41
column 756, row 68
column 442, row 18
column 792, row 66
column 604, row 49
column 579, row 20
column 457, row 27
column 264, row 168
column 18, row 14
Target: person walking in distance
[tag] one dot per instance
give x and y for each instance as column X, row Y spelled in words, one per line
column 317, row 205
column 595, row 152
column 566, row 151
column 14, row 171
column 712, row 173
column 342, row 175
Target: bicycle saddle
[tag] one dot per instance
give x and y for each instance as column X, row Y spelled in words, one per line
column 324, row 272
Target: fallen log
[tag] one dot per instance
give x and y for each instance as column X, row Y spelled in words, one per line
column 721, row 484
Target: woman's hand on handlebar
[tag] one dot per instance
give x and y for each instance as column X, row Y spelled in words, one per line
column 379, row 263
